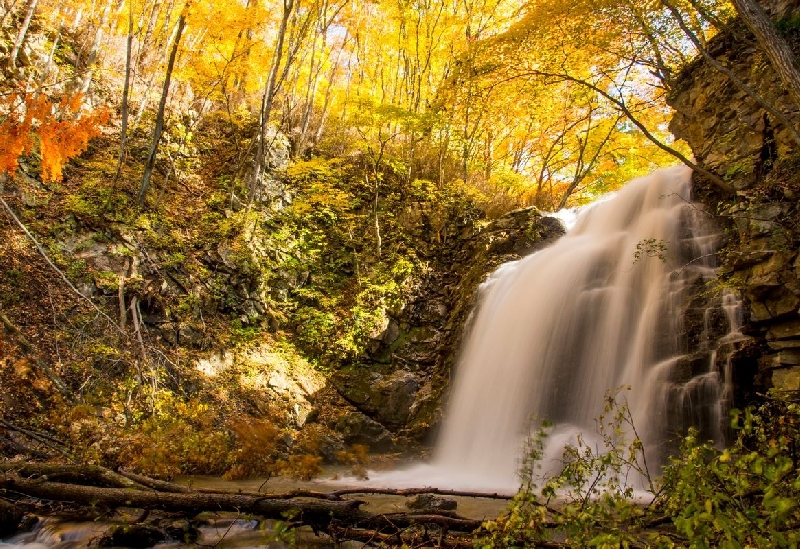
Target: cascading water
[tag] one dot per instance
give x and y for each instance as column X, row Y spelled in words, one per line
column 558, row 329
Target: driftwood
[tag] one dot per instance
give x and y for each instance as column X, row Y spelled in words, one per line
column 101, row 490
column 75, row 474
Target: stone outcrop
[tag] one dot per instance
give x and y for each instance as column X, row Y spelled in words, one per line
column 733, row 136
column 401, row 384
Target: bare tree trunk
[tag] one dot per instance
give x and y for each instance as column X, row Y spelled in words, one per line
column 95, row 48
column 269, row 96
column 323, row 118
column 151, row 158
column 123, row 316
column 7, row 12
column 49, row 65
column 123, row 137
column 23, row 31
column 777, row 50
column 311, row 90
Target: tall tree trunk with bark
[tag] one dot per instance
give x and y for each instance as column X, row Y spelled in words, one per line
column 777, row 50
column 123, row 137
column 269, row 97
column 159, row 128
column 23, row 31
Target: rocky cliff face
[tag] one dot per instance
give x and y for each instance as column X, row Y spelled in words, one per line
column 733, row 136
column 395, row 398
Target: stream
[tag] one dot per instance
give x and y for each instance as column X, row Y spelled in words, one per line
column 227, row 530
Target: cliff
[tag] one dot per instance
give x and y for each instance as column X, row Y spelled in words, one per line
column 732, row 135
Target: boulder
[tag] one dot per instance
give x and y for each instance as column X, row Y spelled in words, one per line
column 428, row 502
column 10, row 517
column 357, row 428
column 786, row 379
column 386, row 398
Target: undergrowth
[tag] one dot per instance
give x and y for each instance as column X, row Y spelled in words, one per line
column 743, row 496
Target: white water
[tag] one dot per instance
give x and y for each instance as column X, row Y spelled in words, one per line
column 558, row 329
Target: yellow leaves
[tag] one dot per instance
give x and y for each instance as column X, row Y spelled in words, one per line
column 60, row 129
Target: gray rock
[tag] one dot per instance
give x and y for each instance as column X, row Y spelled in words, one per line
column 428, row 502
column 387, row 398
column 356, row 428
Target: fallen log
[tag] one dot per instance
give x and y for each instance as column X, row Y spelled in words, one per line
column 71, row 473
column 316, row 514
column 328, row 513
column 417, row 491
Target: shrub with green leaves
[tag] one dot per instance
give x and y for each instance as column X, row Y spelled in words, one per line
column 742, row 496
column 747, row 495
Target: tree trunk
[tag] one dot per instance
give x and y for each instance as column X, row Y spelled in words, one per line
column 315, row 513
column 23, row 31
column 151, row 158
column 777, row 50
column 123, row 133
column 95, row 48
column 91, row 487
column 269, row 97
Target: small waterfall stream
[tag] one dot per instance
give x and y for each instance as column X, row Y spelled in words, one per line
column 555, row 331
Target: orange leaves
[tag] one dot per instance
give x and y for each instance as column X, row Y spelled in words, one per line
column 60, row 130
column 16, row 132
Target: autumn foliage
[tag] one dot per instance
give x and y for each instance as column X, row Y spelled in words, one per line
column 58, row 127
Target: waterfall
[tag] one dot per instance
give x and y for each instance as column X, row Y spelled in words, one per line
column 556, row 330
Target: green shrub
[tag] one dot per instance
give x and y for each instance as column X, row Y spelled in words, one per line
column 743, row 496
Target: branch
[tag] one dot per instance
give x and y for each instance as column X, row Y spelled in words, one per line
column 28, row 348
column 53, row 266
column 620, row 104
column 416, row 491
column 730, row 74
column 71, row 473
column 314, row 513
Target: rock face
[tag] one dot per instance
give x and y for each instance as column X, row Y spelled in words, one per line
column 396, row 394
column 733, row 136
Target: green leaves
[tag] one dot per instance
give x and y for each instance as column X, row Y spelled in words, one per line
column 745, row 495
column 742, row 496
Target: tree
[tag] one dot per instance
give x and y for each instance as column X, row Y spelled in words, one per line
column 159, row 126
column 23, row 31
column 58, row 129
column 123, row 137
column 783, row 60
column 268, row 97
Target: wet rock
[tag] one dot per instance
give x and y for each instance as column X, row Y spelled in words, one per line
column 132, row 535
column 789, row 357
column 356, row 428
column 428, row 502
column 387, row 398
column 786, row 379
column 788, row 329
column 10, row 517
column 731, row 135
